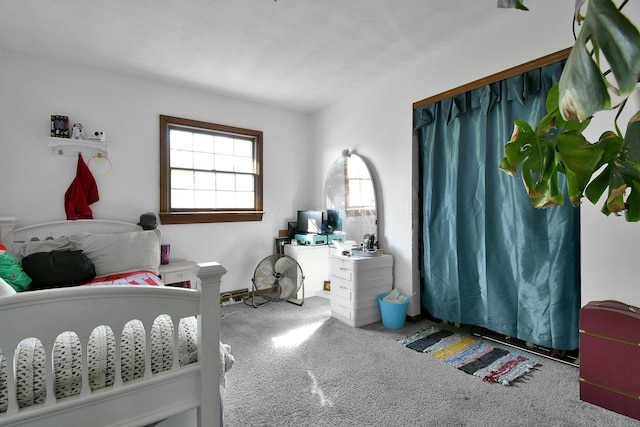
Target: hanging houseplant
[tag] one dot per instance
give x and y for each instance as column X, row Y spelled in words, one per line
column 604, row 61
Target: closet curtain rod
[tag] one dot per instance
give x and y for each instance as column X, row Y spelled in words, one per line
column 505, row 74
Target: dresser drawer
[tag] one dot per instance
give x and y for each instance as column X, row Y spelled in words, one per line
column 342, row 269
column 341, row 288
column 174, row 277
column 354, row 317
column 341, row 307
column 181, row 273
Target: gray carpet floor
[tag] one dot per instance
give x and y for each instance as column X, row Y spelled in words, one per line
column 298, row 366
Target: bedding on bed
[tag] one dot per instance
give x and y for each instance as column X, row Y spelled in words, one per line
column 137, row 278
column 78, row 259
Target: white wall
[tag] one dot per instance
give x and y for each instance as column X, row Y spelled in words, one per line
column 377, row 122
column 127, row 109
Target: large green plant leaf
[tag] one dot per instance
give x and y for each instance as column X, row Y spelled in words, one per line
column 555, row 147
column 610, row 143
column 625, row 174
column 621, row 174
column 580, row 160
column 583, row 87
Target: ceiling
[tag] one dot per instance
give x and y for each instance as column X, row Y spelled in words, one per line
column 295, row 54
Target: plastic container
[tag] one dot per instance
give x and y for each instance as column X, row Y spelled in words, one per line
column 394, row 315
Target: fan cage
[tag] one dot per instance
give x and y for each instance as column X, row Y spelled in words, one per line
column 277, row 278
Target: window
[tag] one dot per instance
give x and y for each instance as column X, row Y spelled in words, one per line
column 360, row 197
column 209, row 172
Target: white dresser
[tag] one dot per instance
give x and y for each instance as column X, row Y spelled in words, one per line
column 355, row 285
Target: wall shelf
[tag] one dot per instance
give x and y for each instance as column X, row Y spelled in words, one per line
column 71, row 147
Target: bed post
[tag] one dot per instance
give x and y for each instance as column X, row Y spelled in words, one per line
column 210, row 274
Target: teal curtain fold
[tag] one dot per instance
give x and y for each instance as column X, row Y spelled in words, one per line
column 489, row 258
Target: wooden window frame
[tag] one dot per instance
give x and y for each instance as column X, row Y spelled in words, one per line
column 169, row 216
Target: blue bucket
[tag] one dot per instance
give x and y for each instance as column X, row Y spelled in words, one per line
column 394, row 315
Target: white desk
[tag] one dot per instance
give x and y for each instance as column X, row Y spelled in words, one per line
column 314, row 261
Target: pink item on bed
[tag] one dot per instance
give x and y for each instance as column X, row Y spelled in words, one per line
column 82, row 192
column 140, row 278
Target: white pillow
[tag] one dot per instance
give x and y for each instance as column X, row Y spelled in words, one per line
column 34, row 246
column 115, row 253
column 6, row 289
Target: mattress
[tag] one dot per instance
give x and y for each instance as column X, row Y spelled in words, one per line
column 67, row 359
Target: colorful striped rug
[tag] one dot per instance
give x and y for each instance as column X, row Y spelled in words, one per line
column 473, row 356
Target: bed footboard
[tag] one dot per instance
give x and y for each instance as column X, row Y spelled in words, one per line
column 46, row 314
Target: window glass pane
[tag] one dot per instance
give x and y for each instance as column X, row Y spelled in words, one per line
column 181, row 159
column 180, row 140
column 366, row 193
column 205, row 181
column 356, row 169
column 244, row 164
column 223, row 144
column 182, row 199
column 182, row 179
column 203, row 161
column 203, row 142
column 354, row 193
column 226, row 181
column 226, row 199
column 245, row 200
column 244, row 182
column 224, row 163
column 243, row 148
column 360, row 193
column 205, row 199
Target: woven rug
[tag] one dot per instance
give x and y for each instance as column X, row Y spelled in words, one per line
column 474, row 356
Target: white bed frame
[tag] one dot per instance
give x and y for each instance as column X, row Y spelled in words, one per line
column 47, row 313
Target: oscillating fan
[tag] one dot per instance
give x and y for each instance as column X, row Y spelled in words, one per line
column 277, row 278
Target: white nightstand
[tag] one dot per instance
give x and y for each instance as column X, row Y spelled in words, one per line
column 183, row 274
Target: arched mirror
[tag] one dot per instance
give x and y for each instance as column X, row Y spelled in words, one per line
column 349, row 197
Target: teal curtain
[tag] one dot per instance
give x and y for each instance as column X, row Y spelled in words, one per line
column 490, row 259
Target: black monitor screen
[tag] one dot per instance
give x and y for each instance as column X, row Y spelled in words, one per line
column 309, row 222
column 334, row 220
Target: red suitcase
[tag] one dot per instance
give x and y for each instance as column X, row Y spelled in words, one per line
column 610, row 356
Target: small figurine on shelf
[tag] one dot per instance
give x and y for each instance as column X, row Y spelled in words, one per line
column 76, row 132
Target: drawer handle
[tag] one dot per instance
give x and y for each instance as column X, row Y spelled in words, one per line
column 344, row 287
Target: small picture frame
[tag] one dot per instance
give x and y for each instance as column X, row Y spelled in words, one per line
column 59, row 126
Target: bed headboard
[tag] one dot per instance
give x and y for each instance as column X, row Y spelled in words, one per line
column 56, row 229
